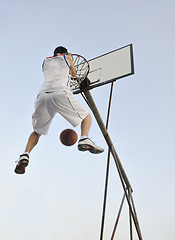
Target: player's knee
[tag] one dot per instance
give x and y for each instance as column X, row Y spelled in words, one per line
column 37, row 134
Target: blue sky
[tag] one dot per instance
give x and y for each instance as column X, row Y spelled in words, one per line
column 61, row 194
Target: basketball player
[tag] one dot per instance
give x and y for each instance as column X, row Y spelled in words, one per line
column 54, row 97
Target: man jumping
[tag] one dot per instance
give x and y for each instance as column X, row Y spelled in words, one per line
column 55, row 96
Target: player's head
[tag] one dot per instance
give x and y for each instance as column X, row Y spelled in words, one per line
column 60, row 49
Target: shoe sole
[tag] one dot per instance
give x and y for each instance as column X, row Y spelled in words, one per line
column 85, row 147
column 20, row 168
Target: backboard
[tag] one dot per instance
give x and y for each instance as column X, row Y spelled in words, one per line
column 110, row 67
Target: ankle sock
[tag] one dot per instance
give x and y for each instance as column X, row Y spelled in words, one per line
column 82, row 137
column 27, row 153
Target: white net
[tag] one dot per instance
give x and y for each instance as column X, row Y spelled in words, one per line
column 82, row 69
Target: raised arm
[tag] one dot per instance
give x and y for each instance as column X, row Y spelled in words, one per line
column 70, row 61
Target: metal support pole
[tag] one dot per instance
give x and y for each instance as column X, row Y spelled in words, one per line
column 117, row 220
column 135, row 214
column 122, row 174
column 107, row 168
column 107, row 137
column 130, row 218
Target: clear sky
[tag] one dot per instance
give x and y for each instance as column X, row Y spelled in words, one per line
column 61, row 194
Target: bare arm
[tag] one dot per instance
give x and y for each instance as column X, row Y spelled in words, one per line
column 70, row 61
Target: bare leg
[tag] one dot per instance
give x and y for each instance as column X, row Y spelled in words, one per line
column 33, row 140
column 85, row 125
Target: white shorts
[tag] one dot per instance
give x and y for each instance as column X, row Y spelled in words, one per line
column 62, row 102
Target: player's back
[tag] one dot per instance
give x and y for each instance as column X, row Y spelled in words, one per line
column 56, row 73
column 55, row 68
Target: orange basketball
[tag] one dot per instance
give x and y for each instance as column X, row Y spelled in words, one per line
column 68, row 137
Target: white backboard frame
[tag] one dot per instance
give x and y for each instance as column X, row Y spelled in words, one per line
column 110, row 67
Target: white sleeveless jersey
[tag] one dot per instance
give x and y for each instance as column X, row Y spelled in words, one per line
column 56, row 74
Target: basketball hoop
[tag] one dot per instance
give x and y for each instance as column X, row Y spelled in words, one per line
column 82, row 69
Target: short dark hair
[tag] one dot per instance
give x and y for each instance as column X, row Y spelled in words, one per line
column 60, row 49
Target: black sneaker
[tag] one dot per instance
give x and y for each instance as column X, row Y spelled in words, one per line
column 22, row 163
column 87, row 145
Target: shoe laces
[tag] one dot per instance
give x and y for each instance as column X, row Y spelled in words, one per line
column 92, row 141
